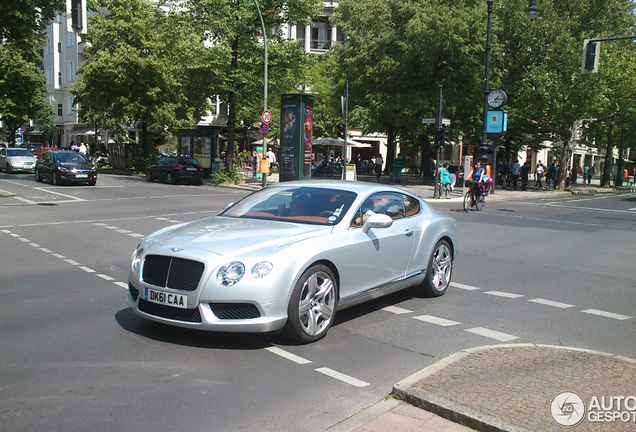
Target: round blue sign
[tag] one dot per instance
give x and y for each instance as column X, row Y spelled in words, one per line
column 264, row 128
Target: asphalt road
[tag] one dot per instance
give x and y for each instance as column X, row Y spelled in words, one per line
column 75, row 358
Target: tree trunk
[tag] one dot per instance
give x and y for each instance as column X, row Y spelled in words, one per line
column 564, row 163
column 231, row 116
column 607, row 168
column 390, row 150
column 425, row 166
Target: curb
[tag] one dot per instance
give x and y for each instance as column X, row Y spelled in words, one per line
column 363, row 417
column 405, row 390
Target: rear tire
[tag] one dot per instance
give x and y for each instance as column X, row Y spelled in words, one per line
column 312, row 306
column 479, row 202
column 170, row 179
column 149, row 176
column 92, row 182
column 439, row 270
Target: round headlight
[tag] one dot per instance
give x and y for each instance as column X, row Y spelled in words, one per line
column 262, row 269
column 230, row 273
column 136, row 258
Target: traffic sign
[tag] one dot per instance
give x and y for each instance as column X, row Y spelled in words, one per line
column 264, row 128
column 428, row 121
column 21, row 130
column 60, row 131
column 267, row 117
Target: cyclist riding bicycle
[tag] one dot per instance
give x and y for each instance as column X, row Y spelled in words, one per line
column 477, row 177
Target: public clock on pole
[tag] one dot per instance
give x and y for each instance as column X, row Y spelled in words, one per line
column 497, row 98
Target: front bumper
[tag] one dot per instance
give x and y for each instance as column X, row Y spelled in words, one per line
column 245, row 317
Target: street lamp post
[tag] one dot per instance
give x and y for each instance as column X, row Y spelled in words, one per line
column 532, row 11
column 260, row 15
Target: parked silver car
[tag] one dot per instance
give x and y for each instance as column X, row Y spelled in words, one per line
column 17, row 159
column 289, row 256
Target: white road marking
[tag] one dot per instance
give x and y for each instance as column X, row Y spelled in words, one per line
column 34, row 245
column 287, row 355
column 551, row 303
column 492, row 334
column 100, row 224
column 503, row 294
column 72, row 262
column 105, row 277
column 136, row 235
column 14, row 235
column 436, row 320
column 553, row 220
column 87, row 269
column 606, row 314
column 124, row 231
column 342, row 377
column 57, row 255
column 46, row 250
column 70, row 197
column 24, row 200
column 630, row 209
column 25, row 240
column 396, row 310
column 463, row 286
column 111, row 227
column 591, row 224
column 121, row 284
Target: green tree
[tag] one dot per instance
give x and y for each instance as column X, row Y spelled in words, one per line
column 397, row 56
column 22, row 88
column 541, row 61
column 233, row 31
column 145, row 67
column 19, row 19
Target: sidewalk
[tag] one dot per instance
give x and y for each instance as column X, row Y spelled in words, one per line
column 512, row 388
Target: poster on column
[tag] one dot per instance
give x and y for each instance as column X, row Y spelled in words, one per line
column 307, row 131
column 296, row 137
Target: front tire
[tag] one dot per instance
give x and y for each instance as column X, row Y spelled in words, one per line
column 149, row 176
column 38, row 176
column 54, row 179
column 312, row 306
column 467, row 201
column 170, row 179
column 439, row 271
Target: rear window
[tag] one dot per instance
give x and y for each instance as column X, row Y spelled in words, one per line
column 188, row 161
column 19, row 152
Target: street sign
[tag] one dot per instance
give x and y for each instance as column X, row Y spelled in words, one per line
column 428, row 121
column 267, row 117
column 21, row 130
column 264, row 128
column 60, row 131
column 446, row 122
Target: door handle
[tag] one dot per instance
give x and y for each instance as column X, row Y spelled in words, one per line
column 408, row 232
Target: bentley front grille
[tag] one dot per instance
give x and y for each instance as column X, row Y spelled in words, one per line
column 171, row 272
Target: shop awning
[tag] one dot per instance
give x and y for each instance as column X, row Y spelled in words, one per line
column 339, row 142
column 82, row 131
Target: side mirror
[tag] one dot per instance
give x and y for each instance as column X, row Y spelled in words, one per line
column 377, row 221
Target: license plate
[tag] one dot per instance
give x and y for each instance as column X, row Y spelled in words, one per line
column 168, row 299
column 190, row 169
column 81, row 175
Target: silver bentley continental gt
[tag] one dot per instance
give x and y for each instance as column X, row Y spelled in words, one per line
column 289, row 256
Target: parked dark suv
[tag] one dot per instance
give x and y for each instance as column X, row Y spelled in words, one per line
column 174, row 169
column 61, row 166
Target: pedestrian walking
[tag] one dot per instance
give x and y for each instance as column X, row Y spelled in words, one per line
column 514, row 171
column 378, row 167
column 398, row 166
column 539, row 173
column 445, row 182
column 525, row 173
column 590, row 175
column 271, row 157
column 504, row 172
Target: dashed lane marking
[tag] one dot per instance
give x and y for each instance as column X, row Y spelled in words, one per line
column 72, row 262
column 492, row 334
column 121, row 284
column 87, row 269
column 606, row 314
column 463, row 286
column 503, row 294
column 287, row 355
column 436, row 320
column 342, row 377
column 396, row 310
column 551, row 303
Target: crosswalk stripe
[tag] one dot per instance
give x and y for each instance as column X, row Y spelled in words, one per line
column 492, row 334
column 606, row 314
column 436, row 320
column 551, row 303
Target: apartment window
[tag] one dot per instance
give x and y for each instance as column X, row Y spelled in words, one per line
column 70, row 71
column 47, row 48
column 59, row 78
column 321, row 35
column 59, row 47
column 300, row 34
column 60, row 110
column 71, row 108
column 69, row 39
column 49, row 76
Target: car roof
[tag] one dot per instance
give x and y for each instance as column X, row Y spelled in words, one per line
column 353, row 186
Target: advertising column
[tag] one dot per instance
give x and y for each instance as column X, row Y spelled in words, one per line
column 296, row 137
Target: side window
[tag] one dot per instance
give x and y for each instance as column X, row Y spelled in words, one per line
column 411, row 206
column 388, row 203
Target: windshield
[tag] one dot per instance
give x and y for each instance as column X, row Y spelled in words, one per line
column 19, row 152
column 70, row 157
column 309, row 205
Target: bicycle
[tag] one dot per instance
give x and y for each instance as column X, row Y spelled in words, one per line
column 474, row 197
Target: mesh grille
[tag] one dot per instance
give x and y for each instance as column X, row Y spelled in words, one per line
column 185, row 274
column 175, row 273
column 235, row 310
column 169, row 312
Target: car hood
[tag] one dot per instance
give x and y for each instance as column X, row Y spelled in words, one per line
column 71, row 165
column 225, row 235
